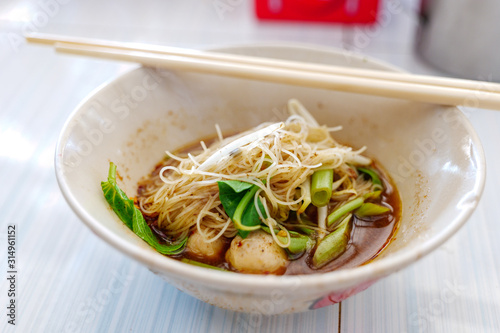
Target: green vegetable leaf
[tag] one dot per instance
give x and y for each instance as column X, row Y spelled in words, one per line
column 237, row 198
column 229, row 197
column 236, row 185
column 141, row 229
column 251, row 218
column 121, row 204
column 132, row 217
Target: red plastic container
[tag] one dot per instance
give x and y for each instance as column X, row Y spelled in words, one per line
column 334, row 11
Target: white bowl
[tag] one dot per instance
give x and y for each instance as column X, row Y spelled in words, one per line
column 431, row 152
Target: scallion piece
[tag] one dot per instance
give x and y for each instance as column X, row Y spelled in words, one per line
column 321, row 187
column 377, row 183
column 298, row 242
column 305, row 230
column 344, row 209
column 372, row 195
column 334, row 244
column 371, row 209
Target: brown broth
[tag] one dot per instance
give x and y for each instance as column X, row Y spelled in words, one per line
column 369, row 236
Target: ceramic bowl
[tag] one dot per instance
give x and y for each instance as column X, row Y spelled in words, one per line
column 431, row 152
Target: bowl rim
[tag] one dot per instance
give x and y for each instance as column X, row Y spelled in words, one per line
column 338, row 280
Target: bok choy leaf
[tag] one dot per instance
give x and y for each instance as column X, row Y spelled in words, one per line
column 237, row 198
column 132, row 217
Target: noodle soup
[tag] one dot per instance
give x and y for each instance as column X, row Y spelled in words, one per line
column 436, row 199
column 282, row 198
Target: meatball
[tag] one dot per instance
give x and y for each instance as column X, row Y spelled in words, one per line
column 210, row 252
column 257, row 254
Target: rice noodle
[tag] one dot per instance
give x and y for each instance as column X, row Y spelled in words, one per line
column 185, row 193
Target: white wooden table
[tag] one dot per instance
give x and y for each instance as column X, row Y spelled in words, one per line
column 68, row 280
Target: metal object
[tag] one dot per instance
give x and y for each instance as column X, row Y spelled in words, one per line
column 461, row 37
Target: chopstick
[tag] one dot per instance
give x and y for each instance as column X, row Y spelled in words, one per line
column 51, row 39
column 380, row 83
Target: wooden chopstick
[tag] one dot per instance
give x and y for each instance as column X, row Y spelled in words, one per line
column 388, row 84
column 275, row 63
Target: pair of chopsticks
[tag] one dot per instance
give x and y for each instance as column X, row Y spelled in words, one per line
column 438, row 90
